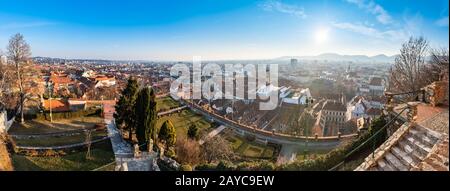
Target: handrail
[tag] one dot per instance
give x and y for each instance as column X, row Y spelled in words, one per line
column 369, row 139
column 403, row 93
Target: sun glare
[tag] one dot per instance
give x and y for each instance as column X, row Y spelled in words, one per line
column 321, row 35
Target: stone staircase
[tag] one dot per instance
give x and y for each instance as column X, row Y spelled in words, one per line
column 410, row 150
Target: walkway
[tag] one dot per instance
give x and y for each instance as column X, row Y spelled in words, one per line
column 171, row 111
column 288, row 154
column 213, row 133
column 125, row 160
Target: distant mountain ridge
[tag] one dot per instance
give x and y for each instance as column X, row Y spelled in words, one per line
column 337, row 57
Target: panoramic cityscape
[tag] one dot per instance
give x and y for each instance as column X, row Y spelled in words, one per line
column 258, row 85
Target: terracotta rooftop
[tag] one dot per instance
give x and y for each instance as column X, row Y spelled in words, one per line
column 56, row 105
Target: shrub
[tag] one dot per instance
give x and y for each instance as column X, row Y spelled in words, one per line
column 185, row 167
column 49, row 153
column 225, row 166
column 266, row 166
column 193, row 132
column 245, row 166
column 206, row 167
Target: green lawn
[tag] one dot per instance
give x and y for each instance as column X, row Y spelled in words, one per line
column 246, row 148
column 183, row 120
column 102, row 154
column 253, row 151
column 268, row 152
column 166, row 103
column 59, row 141
column 42, row 126
column 235, row 142
column 302, row 155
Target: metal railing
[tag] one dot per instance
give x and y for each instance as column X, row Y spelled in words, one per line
column 372, row 138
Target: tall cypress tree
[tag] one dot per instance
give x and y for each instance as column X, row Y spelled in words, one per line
column 146, row 117
column 124, row 115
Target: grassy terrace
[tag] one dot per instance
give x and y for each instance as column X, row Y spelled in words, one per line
column 249, row 149
column 59, row 141
column 183, row 120
column 41, row 126
column 101, row 154
column 302, row 155
column 166, row 103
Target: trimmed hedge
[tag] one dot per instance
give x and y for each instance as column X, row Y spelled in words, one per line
column 69, row 115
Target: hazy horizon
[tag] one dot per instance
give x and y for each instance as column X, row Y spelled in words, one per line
column 221, row 30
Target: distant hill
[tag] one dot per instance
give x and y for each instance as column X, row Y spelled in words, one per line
column 337, row 57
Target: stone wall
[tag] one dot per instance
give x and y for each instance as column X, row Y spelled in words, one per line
column 5, row 159
column 4, row 123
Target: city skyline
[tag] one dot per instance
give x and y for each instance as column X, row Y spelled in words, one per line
column 217, row 30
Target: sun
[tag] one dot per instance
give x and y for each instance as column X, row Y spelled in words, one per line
column 321, row 35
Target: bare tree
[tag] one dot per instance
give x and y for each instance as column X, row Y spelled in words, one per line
column 407, row 72
column 8, row 98
column 437, row 67
column 188, row 151
column 217, row 148
column 19, row 53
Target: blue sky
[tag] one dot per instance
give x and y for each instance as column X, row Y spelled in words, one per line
column 220, row 29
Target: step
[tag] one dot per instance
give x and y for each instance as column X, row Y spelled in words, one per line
column 433, row 134
column 408, row 149
column 424, row 137
column 384, row 165
column 420, row 147
column 373, row 168
column 403, row 156
column 394, row 161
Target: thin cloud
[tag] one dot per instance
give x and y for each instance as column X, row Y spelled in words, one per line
column 278, row 6
column 380, row 13
column 442, row 22
column 372, row 32
column 17, row 25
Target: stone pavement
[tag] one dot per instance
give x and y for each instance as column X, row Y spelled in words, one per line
column 123, row 151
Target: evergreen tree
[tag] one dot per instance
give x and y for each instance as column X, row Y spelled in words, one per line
column 146, row 117
column 192, row 131
column 125, row 115
column 167, row 134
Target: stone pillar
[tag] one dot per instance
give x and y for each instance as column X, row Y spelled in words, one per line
column 137, row 152
column 412, row 112
column 389, row 106
column 316, row 136
column 161, row 152
column 150, row 146
column 437, row 92
column 339, row 135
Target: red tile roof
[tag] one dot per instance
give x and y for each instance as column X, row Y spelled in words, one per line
column 56, row 105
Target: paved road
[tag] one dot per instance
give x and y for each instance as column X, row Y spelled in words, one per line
column 313, row 144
